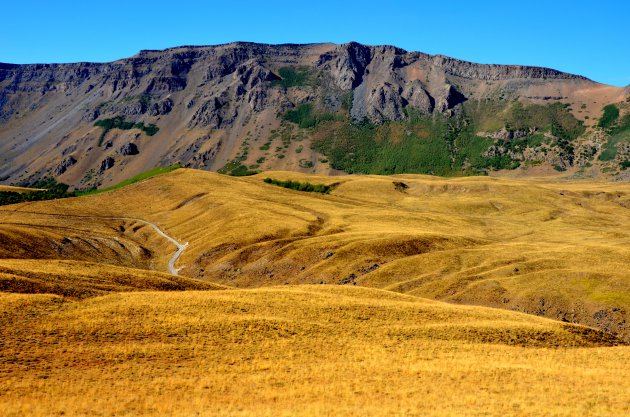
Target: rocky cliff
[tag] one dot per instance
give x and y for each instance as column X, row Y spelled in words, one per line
column 225, row 106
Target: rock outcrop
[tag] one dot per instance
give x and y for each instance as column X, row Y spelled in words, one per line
column 65, row 164
column 129, row 149
column 107, row 163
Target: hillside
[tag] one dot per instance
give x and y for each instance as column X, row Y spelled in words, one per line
column 317, row 108
column 299, row 351
column 557, row 249
column 79, row 280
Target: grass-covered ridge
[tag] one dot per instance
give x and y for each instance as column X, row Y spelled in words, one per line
column 301, row 186
column 137, row 178
column 119, row 122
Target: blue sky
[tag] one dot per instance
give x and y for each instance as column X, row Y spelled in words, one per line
column 591, row 38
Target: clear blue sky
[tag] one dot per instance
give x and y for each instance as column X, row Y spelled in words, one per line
column 591, row 38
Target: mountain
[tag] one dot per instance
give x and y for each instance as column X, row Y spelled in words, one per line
column 320, row 108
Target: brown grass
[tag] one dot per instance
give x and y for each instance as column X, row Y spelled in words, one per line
column 298, row 351
column 18, row 189
column 78, row 280
column 554, row 248
column 113, row 342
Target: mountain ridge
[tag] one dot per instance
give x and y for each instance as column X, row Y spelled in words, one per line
column 222, row 107
column 445, row 58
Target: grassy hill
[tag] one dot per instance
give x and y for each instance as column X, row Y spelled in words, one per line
column 91, row 325
column 558, row 249
column 79, row 280
column 299, row 351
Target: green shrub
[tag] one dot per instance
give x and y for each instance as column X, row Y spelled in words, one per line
column 294, row 77
column 610, row 116
column 305, row 116
column 301, row 186
column 52, row 190
column 304, row 163
column 242, row 171
column 119, row 122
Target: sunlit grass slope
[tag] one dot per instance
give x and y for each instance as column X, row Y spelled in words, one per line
column 554, row 248
column 17, row 189
column 76, row 279
column 299, row 351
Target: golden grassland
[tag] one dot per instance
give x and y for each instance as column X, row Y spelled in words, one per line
column 91, row 325
column 78, row 280
column 18, row 189
column 299, row 351
column 559, row 249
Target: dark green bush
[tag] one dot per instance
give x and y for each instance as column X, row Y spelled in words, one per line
column 610, row 116
column 294, row 77
column 305, row 116
column 301, row 186
column 119, row 122
column 52, row 190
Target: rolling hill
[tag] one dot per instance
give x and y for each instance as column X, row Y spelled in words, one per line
column 300, row 351
column 555, row 249
column 317, row 108
column 325, row 301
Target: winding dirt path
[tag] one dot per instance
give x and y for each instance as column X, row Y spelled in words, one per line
column 171, row 262
column 180, row 246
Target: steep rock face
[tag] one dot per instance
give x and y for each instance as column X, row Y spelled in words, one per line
column 346, row 64
column 492, row 72
column 209, row 101
column 107, row 163
column 65, row 164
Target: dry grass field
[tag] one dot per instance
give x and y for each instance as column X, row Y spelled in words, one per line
column 79, row 280
column 87, row 327
column 299, row 351
column 558, row 249
column 18, row 189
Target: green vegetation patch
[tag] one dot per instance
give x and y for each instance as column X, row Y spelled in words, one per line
column 119, row 122
column 418, row 145
column 610, row 116
column 142, row 176
column 301, row 186
column 51, row 190
column 444, row 146
column 242, row 171
column 618, row 134
column 294, row 77
column 305, row 116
